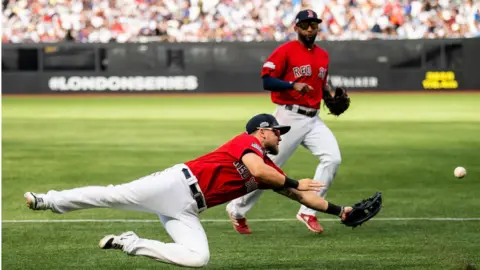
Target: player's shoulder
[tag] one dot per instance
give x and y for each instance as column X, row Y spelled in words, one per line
column 245, row 139
column 321, row 51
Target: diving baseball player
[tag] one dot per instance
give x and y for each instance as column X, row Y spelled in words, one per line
column 178, row 195
column 296, row 74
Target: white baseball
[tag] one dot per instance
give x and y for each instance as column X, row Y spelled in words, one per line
column 460, row 172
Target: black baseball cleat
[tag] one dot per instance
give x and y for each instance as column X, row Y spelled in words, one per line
column 35, row 202
column 116, row 241
column 110, row 242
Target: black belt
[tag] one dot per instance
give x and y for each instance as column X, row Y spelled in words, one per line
column 302, row 111
column 196, row 194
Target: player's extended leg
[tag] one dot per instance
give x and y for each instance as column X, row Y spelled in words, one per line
column 323, row 144
column 152, row 193
column 239, row 207
column 190, row 247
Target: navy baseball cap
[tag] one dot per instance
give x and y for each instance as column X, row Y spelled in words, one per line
column 265, row 121
column 307, row 15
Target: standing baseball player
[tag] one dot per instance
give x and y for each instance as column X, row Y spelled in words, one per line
column 296, row 74
column 180, row 193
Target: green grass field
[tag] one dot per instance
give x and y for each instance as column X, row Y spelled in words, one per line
column 403, row 145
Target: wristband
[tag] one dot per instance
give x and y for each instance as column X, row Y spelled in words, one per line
column 289, row 182
column 333, row 209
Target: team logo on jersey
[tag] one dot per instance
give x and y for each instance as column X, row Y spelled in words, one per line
column 302, row 71
column 258, row 147
column 322, row 72
column 269, row 65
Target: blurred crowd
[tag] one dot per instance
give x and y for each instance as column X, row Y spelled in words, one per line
column 233, row 20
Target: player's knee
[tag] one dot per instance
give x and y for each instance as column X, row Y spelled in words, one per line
column 199, row 258
column 337, row 160
column 332, row 160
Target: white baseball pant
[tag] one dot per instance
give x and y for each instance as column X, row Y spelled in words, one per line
column 166, row 194
column 313, row 134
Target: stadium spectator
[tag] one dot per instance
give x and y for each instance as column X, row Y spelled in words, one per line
column 103, row 21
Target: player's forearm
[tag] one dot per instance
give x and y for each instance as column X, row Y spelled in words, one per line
column 313, row 201
column 273, row 178
column 276, row 85
column 327, row 90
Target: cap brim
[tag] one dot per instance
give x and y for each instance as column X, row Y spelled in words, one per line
column 282, row 129
column 311, row 19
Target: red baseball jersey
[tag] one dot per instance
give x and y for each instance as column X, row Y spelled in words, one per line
column 293, row 62
column 221, row 174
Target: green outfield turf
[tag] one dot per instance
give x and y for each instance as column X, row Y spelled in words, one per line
column 403, row 145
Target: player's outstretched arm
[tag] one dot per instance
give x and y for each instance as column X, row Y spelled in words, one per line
column 277, row 85
column 265, row 173
column 312, row 200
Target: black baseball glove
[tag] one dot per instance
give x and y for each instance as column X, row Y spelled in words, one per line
column 337, row 104
column 364, row 211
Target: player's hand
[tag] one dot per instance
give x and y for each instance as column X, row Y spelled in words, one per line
column 309, row 185
column 346, row 211
column 302, row 88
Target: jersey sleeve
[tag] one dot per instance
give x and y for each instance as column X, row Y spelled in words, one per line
column 243, row 145
column 275, row 64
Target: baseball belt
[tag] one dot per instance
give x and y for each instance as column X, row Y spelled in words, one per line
column 196, row 191
column 297, row 109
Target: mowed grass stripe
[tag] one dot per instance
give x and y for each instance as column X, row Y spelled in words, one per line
column 227, row 220
column 364, row 107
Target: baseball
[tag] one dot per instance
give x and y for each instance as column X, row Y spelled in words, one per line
column 460, row 172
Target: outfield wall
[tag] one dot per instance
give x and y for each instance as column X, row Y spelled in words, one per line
column 416, row 65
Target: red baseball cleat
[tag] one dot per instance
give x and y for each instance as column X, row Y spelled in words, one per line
column 311, row 222
column 240, row 225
